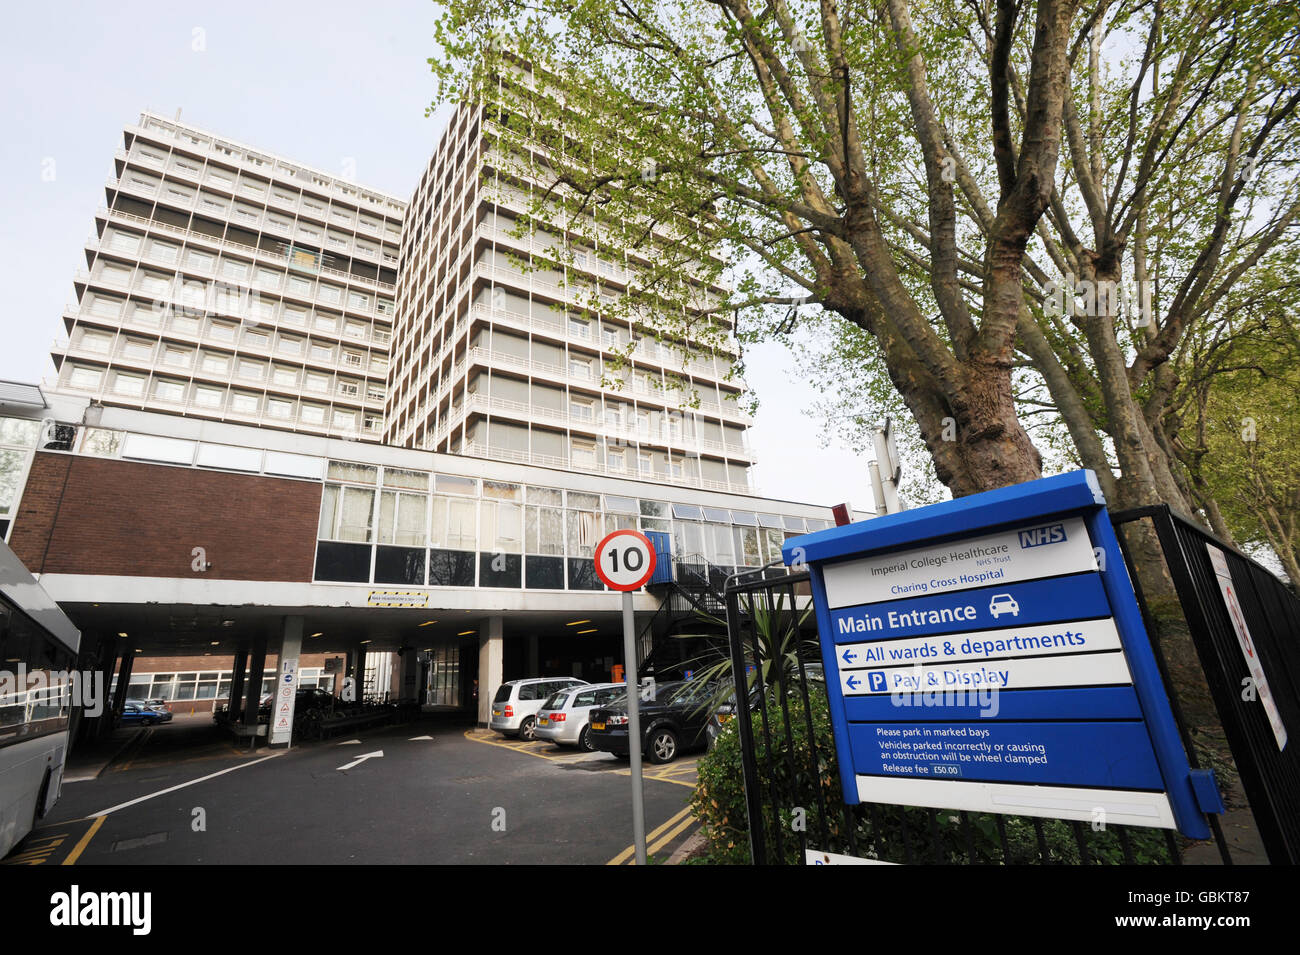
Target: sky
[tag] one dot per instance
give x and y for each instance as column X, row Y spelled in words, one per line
column 341, row 87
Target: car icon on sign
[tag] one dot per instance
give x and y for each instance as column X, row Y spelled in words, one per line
column 1003, row 603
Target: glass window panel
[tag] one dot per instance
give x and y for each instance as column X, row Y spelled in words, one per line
column 414, row 480
column 461, row 518
column 358, row 473
column 584, row 533
column 622, row 505
column 356, row 515
column 449, row 484
column 654, row 509
column 773, row 538
column 588, row 501
column 502, row 492
column 328, row 511
column 545, row 495
column 412, row 520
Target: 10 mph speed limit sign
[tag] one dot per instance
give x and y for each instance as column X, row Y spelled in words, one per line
column 625, row 560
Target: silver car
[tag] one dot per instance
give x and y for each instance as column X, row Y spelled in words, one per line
column 563, row 718
column 515, row 706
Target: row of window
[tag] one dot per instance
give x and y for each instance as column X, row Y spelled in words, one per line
column 251, row 335
column 173, row 391
column 211, row 685
column 255, row 188
column 288, row 170
column 222, row 364
column 510, row 519
column 235, row 269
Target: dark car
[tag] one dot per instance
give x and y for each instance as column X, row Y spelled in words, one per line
column 672, row 722
column 138, row 714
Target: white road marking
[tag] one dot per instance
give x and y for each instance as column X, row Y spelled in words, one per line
column 417, row 738
column 362, row 759
column 349, row 742
column 172, row 789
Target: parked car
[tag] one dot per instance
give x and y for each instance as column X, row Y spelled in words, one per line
column 515, row 706
column 135, row 713
column 563, row 718
column 672, row 722
column 725, row 712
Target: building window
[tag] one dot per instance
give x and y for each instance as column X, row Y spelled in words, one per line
column 85, row 379
column 243, row 403
column 279, row 408
column 169, row 391
column 208, row 397
column 95, row 341
column 141, row 351
column 583, row 454
column 128, row 385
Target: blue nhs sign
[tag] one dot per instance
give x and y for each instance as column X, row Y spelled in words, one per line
column 988, row 654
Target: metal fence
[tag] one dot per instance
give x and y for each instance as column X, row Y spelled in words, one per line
column 1270, row 774
column 793, row 797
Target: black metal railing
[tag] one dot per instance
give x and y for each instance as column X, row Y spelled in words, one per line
column 1268, row 615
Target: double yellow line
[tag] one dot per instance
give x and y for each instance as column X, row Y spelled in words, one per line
column 658, row 838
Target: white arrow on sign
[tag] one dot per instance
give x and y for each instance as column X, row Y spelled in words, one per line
column 361, row 759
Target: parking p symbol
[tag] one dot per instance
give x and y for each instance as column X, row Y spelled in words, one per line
column 875, row 680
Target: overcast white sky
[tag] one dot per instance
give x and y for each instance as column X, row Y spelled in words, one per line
column 328, row 84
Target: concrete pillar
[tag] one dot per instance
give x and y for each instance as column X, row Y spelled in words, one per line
column 105, row 664
column 532, row 656
column 280, row 731
column 236, row 707
column 408, row 687
column 123, row 684
column 491, row 651
column 359, row 671
column 253, row 692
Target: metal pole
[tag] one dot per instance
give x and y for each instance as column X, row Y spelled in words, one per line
column 634, row 729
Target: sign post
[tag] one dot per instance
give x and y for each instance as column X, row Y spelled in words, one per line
column 625, row 560
column 988, row 654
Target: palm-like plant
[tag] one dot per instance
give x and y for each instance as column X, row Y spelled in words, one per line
column 776, row 647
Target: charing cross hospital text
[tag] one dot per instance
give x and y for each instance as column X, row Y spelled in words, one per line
column 979, row 552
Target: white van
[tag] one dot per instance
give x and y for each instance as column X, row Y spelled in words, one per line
column 515, row 706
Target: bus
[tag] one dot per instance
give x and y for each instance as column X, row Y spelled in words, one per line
column 38, row 654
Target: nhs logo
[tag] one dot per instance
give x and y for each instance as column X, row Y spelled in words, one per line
column 1047, row 534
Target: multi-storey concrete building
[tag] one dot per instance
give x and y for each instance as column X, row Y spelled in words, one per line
column 232, row 297
column 224, row 282
column 498, row 354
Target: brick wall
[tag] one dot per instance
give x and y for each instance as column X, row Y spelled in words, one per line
column 144, row 520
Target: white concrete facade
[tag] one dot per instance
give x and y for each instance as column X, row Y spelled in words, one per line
column 227, row 283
